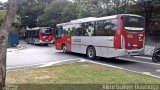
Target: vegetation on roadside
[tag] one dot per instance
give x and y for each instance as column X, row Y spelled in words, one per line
column 79, row 73
column 41, row 13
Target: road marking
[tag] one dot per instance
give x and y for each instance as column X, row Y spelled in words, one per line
column 83, row 60
column 43, row 64
column 58, row 62
column 147, row 73
column 129, row 59
column 122, row 68
column 157, row 70
column 143, row 57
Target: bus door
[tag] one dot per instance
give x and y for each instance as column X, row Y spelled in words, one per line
column 58, row 38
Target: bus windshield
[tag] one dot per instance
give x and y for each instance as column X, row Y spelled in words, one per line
column 46, row 31
column 133, row 23
column 59, row 32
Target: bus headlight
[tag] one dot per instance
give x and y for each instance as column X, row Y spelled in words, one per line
column 141, row 35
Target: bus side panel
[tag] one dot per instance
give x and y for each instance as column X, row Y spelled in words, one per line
column 112, row 52
column 58, row 44
column 80, row 44
column 117, row 37
column 102, row 44
column 65, row 40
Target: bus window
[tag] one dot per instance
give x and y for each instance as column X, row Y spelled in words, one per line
column 114, row 26
column 90, row 29
column 106, row 27
column 132, row 23
column 46, row 31
column 59, row 32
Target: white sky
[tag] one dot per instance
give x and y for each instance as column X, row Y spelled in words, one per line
column 3, row 0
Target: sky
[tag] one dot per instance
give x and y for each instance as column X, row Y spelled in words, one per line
column 3, row 0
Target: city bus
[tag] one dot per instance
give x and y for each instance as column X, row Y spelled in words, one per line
column 110, row 36
column 40, row 35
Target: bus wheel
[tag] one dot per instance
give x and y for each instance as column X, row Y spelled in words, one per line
column 91, row 53
column 64, row 49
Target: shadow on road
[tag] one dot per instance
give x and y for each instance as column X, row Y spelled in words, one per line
column 102, row 60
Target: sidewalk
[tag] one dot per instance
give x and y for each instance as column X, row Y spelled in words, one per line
column 148, row 52
column 19, row 47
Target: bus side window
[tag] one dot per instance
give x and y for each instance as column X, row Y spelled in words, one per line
column 99, row 28
column 89, row 31
column 109, row 27
column 114, row 26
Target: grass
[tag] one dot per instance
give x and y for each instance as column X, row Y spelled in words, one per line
column 79, row 73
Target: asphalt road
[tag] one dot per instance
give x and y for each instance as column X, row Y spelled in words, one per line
column 34, row 55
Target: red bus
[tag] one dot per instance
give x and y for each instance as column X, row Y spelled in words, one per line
column 110, row 36
column 40, row 35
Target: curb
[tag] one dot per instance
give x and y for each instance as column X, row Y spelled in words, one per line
column 43, row 65
column 19, row 47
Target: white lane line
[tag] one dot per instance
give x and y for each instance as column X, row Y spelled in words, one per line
column 121, row 68
column 143, row 57
column 22, row 66
column 80, row 60
column 44, row 64
column 132, row 60
column 84, row 60
column 57, row 62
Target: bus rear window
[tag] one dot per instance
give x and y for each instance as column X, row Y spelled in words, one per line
column 134, row 22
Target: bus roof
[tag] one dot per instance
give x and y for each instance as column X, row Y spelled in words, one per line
column 88, row 19
column 82, row 20
column 91, row 19
column 63, row 24
column 36, row 28
column 115, row 16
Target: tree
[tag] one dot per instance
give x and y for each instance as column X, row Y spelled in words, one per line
column 70, row 12
column 150, row 8
column 53, row 13
column 30, row 10
column 2, row 15
column 5, row 27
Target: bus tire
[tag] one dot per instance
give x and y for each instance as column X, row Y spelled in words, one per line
column 91, row 53
column 64, row 48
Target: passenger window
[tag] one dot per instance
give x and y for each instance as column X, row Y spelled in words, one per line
column 106, row 27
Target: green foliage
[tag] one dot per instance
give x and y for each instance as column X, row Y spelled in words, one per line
column 16, row 24
column 48, row 12
column 60, row 11
column 53, row 13
column 70, row 12
column 77, row 73
column 29, row 10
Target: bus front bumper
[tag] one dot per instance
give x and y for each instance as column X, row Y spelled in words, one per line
column 44, row 42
